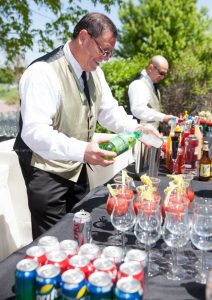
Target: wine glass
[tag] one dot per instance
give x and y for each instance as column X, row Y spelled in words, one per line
column 201, row 235
column 175, row 232
column 148, row 228
column 123, row 215
column 117, row 190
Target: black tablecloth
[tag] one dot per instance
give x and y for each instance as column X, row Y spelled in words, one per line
column 160, row 288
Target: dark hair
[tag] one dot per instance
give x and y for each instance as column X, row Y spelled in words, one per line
column 95, row 24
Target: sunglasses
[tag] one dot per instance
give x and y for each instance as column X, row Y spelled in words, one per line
column 105, row 53
column 159, row 72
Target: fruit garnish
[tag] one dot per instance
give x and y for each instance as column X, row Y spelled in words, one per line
column 145, row 179
column 177, row 183
column 113, row 192
column 126, row 177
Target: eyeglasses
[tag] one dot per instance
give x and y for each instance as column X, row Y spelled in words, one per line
column 105, row 53
column 159, row 72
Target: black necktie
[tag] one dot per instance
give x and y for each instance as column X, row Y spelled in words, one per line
column 156, row 89
column 86, row 90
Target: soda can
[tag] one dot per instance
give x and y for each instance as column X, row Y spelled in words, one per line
column 49, row 243
column 82, row 227
column 99, row 286
column 25, row 279
column 92, row 251
column 70, row 247
column 113, row 253
column 82, row 263
column 105, row 265
column 128, row 288
column 133, row 269
column 48, row 282
column 137, row 255
column 37, row 253
column 73, row 285
column 58, row 258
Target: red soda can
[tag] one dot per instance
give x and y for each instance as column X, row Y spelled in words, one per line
column 70, row 247
column 49, row 243
column 57, row 258
column 114, row 254
column 37, row 253
column 82, row 227
column 107, row 266
column 92, row 251
column 132, row 268
column 137, row 255
column 82, row 263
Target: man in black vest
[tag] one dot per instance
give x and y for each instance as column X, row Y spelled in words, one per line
column 63, row 95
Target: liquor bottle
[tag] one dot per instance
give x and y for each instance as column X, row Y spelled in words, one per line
column 205, row 163
column 186, row 133
column 192, row 129
column 199, row 135
column 180, row 119
column 169, row 142
column 185, row 115
column 180, row 160
column 191, row 147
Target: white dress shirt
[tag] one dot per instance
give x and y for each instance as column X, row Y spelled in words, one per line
column 139, row 97
column 40, row 93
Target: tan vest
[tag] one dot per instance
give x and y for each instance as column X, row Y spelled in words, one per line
column 153, row 102
column 74, row 117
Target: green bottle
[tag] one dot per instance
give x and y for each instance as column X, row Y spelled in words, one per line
column 120, row 143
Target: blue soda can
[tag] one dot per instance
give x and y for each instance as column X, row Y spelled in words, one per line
column 48, row 282
column 73, row 285
column 128, row 288
column 100, row 286
column 25, row 279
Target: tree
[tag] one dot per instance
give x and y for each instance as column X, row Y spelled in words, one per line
column 165, row 27
column 17, row 32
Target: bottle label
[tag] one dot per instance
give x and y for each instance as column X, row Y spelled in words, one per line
column 120, row 143
column 204, row 170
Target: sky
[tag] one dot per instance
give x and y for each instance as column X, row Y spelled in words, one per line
column 41, row 17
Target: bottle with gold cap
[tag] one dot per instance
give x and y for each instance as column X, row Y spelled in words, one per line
column 185, row 116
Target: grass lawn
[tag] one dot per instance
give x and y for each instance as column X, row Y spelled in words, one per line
column 9, row 94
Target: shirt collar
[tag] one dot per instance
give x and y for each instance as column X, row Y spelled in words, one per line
column 69, row 56
column 146, row 76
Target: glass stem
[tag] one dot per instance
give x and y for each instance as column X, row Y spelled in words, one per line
column 174, row 260
column 203, row 261
column 123, row 242
column 147, row 249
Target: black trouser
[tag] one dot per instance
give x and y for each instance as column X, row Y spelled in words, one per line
column 50, row 197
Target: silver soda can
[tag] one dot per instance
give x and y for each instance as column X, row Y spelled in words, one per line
column 82, row 227
column 137, row 255
column 49, row 243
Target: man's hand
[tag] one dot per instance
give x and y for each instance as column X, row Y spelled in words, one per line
column 149, row 129
column 95, row 156
column 168, row 117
